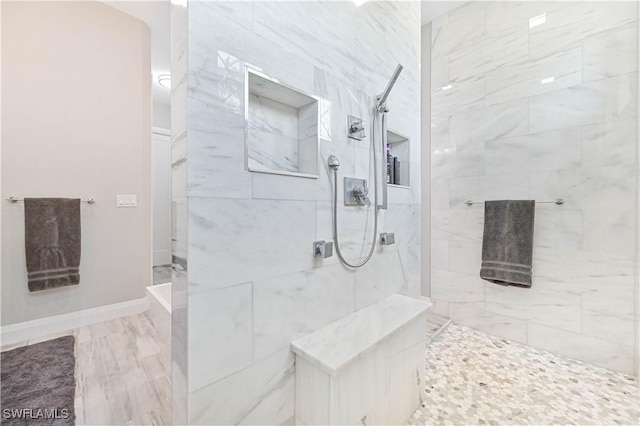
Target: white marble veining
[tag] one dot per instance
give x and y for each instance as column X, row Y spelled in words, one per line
column 503, row 326
column 459, row 97
column 488, row 55
column 179, row 218
column 555, row 150
column 600, row 101
column 505, row 186
column 262, row 391
column 463, row 29
column 281, row 128
column 287, row 307
column 527, row 78
column 504, row 16
column 557, row 119
column 380, row 278
column 587, row 187
column 553, row 308
column 222, row 343
column 615, row 356
column 573, row 24
column 272, row 135
column 611, row 53
column 493, row 122
column 364, row 368
column 336, row 344
column 312, row 407
column 247, row 237
column 227, row 246
column 609, row 144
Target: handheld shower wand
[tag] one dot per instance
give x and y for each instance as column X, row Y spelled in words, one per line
column 379, row 108
column 381, row 99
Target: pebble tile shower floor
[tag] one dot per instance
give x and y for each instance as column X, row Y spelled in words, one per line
column 476, row 378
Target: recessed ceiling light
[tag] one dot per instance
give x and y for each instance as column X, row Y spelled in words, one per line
column 164, row 80
column 537, row 20
column 360, row 2
column 447, row 87
column 548, row 80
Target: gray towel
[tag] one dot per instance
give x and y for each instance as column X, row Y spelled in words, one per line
column 52, row 242
column 507, row 244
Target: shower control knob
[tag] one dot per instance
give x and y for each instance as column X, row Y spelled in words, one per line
column 360, row 192
column 387, row 238
column 356, row 128
column 322, row 249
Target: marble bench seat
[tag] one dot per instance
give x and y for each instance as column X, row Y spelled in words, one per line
column 366, row 368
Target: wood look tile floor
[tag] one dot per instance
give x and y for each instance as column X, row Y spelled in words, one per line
column 120, row 378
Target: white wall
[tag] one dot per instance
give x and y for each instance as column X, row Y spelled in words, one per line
column 500, row 133
column 76, row 97
column 251, row 284
column 161, row 181
column 161, row 115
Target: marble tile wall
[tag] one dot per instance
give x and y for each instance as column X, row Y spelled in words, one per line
column 252, row 284
column 179, row 215
column 539, row 113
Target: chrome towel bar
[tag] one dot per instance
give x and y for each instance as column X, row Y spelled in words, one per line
column 557, row 201
column 15, row 200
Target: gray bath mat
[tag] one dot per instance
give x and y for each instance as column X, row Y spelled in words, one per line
column 37, row 384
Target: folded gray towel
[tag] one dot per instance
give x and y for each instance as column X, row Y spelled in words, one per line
column 507, row 244
column 52, row 242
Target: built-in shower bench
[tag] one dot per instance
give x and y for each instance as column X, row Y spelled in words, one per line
column 366, row 368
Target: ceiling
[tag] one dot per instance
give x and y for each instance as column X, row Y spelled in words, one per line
column 435, row 9
column 156, row 15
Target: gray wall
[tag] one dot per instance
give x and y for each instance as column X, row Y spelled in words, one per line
column 76, row 123
column 252, row 284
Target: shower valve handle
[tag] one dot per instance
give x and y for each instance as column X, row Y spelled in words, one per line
column 361, row 193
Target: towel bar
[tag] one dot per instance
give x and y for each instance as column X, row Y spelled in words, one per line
column 557, row 201
column 15, row 200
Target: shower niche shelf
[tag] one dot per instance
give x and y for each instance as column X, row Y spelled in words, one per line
column 398, row 149
column 281, row 128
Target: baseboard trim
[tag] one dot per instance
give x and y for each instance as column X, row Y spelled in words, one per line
column 22, row 331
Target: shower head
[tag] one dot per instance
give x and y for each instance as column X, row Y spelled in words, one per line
column 382, row 98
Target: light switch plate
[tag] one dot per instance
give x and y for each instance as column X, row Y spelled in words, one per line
column 126, row 200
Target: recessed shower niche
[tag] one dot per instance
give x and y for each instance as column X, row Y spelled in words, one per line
column 398, row 159
column 281, row 128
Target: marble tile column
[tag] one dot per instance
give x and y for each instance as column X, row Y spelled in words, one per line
column 245, row 280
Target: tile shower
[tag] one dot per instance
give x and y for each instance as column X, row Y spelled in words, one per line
column 538, row 100
column 245, row 282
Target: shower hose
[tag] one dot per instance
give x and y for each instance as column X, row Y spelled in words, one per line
column 375, row 205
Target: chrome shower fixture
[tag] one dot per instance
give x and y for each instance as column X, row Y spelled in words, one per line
column 381, row 99
column 356, row 191
column 333, row 162
column 356, row 128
